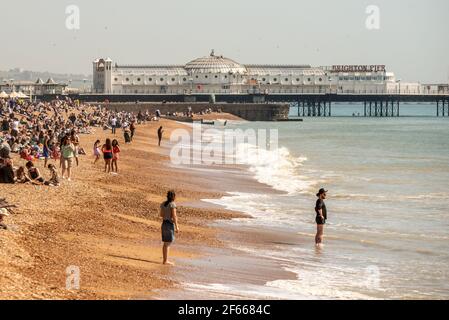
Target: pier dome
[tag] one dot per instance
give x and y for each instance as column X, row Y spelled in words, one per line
column 215, row 64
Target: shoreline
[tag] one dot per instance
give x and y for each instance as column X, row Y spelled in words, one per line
column 102, row 224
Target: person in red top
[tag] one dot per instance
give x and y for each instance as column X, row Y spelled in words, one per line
column 116, row 154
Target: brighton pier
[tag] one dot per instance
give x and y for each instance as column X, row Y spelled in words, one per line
column 214, row 79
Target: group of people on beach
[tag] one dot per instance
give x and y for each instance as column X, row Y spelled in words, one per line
column 41, row 131
column 49, row 131
column 111, row 153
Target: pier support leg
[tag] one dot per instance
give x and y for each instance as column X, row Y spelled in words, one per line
column 438, row 108
column 330, row 109
column 364, row 108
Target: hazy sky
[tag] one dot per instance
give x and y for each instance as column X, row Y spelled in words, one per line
column 413, row 39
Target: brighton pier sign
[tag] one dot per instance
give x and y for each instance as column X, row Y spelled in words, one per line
column 358, row 68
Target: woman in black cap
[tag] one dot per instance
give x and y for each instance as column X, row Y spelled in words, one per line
column 321, row 215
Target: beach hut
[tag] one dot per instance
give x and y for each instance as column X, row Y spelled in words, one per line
column 21, row 95
column 14, row 95
column 3, row 95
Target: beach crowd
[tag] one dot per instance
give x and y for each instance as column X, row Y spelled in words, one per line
column 49, row 132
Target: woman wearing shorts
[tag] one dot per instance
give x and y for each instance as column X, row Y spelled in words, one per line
column 169, row 224
column 68, row 153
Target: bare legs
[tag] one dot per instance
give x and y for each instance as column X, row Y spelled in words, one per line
column 114, row 166
column 319, row 234
column 69, row 171
column 165, row 251
column 107, row 165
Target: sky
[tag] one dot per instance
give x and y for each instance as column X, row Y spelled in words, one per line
column 412, row 39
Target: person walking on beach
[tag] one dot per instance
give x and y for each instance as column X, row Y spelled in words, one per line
column 321, row 215
column 160, row 132
column 107, row 155
column 67, row 154
column 132, row 128
column 169, row 224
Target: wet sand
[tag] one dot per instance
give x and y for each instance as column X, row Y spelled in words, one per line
column 108, row 227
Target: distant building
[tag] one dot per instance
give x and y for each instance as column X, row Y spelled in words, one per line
column 38, row 87
column 220, row 75
column 211, row 74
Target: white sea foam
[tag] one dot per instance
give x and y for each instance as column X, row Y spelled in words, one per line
column 245, row 291
column 277, row 168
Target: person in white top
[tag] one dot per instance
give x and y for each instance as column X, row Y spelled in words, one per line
column 113, row 124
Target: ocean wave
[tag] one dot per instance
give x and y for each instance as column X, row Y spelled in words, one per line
column 277, row 168
column 429, row 196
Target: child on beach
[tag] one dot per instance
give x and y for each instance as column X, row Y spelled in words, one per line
column 169, row 224
column 116, row 153
column 54, row 180
column 97, row 151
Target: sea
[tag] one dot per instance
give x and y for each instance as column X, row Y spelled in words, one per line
column 387, row 234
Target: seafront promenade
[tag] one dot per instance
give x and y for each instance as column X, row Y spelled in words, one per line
column 271, row 107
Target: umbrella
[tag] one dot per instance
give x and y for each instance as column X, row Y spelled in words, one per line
column 3, row 94
column 14, row 95
column 22, row 95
